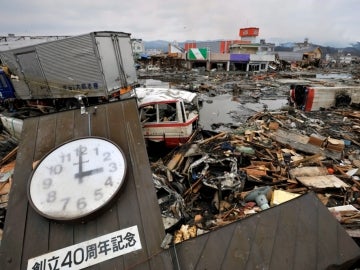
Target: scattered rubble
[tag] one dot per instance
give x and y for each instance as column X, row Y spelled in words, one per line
column 217, row 178
column 7, row 165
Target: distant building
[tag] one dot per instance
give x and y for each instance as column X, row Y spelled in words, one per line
column 244, row 54
column 303, row 53
column 253, row 48
column 152, row 52
column 138, row 48
column 345, row 59
column 175, row 48
column 11, row 41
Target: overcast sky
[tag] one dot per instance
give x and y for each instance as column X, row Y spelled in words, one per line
column 324, row 22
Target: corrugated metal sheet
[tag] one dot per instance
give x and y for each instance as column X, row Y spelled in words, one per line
column 33, row 74
column 96, row 64
column 70, row 63
column 116, row 54
column 22, row 90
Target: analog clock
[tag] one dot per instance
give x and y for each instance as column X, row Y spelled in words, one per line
column 77, row 179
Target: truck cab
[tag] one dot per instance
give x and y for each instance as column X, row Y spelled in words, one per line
column 6, row 88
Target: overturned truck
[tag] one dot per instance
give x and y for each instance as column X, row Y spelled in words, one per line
column 58, row 74
column 313, row 98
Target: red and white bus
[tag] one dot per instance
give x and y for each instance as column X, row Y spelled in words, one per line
column 167, row 115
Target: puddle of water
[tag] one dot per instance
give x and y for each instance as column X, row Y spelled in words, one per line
column 154, row 83
column 271, row 104
column 333, row 76
column 224, row 109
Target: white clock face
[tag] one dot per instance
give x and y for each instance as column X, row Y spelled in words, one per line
column 77, row 178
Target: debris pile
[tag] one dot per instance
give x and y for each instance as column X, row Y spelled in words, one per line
column 217, row 178
column 7, row 166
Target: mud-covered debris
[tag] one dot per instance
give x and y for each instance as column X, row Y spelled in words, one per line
column 218, row 178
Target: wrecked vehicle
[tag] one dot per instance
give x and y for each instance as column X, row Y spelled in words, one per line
column 169, row 116
column 313, row 98
column 52, row 75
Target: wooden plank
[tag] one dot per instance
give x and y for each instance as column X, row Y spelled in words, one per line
column 308, row 171
column 127, row 207
column 282, row 254
column 62, row 235
column 9, row 156
column 293, row 235
column 108, row 221
column 107, row 224
column 263, row 241
column 45, row 140
column 81, row 127
column 37, row 227
column 300, row 143
column 306, row 159
column 136, row 204
column 322, row 181
column 99, row 121
column 65, row 123
column 88, row 230
column 306, row 247
column 327, row 226
column 144, row 209
column 207, row 260
column 146, row 195
column 13, row 236
column 241, row 243
column 188, row 253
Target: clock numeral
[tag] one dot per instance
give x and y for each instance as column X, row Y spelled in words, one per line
column 51, row 197
column 54, row 170
column 98, row 194
column 107, row 156
column 113, row 167
column 66, row 201
column 65, row 158
column 81, row 150
column 81, row 203
column 47, row 183
column 109, row 182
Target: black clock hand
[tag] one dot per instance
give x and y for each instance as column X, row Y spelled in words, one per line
column 82, row 174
